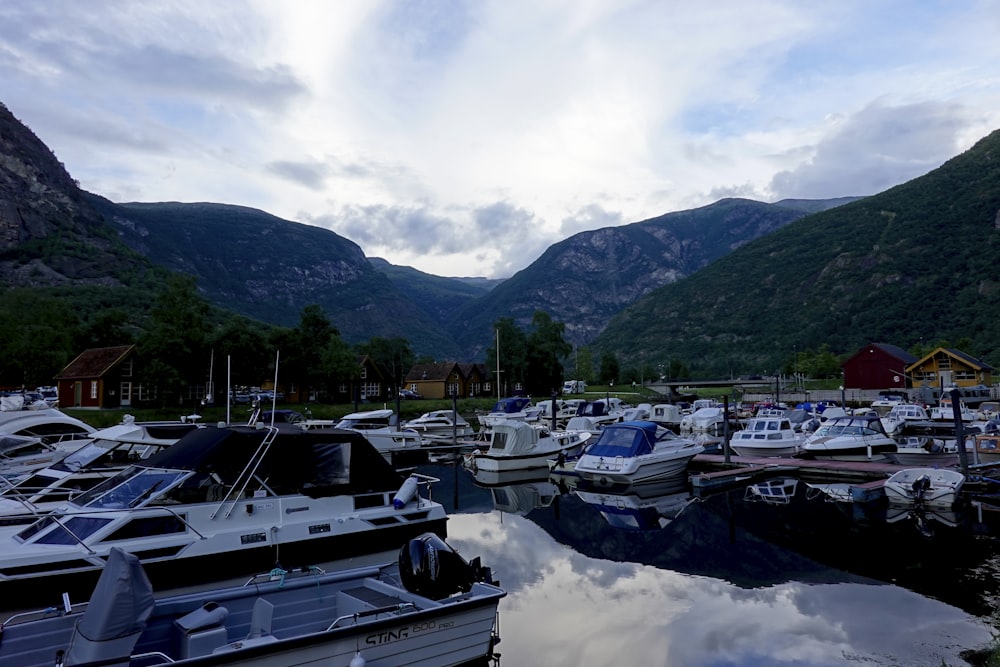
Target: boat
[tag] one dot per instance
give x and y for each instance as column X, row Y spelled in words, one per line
column 602, row 411
column 944, row 411
column 228, row 499
column 668, row 415
column 849, row 438
column 431, row 607
column 50, row 425
column 441, row 425
column 21, row 455
column 985, row 447
column 108, row 452
column 902, row 414
column 924, row 451
column 379, row 427
column 932, row 487
column 704, row 420
column 767, row 436
column 777, row 491
column 633, row 452
column 640, row 507
column 506, row 409
column 887, row 400
column 519, row 445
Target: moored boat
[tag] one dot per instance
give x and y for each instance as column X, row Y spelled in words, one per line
column 932, row 487
column 767, row 436
column 849, row 438
column 430, row 608
column 224, row 500
column 519, row 445
column 634, row 452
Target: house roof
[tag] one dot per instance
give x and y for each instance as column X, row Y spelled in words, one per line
column 95, row 362
column 971, row 361
column 438, row 370
column 896, row 352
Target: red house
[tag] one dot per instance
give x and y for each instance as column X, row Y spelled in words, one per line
column 878, row 366
column 101, row 377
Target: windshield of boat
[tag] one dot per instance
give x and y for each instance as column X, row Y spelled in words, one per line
column 130, row 488
column 850, row 427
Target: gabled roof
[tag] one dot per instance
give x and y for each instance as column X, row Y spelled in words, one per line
column 895, row 351
column 95, row 363
column 467, row 369
column 432, row 371
column 970, row 361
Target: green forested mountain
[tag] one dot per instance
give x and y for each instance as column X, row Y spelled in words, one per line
column 914, row 264
column 440, row 297
column 584, row 280
column 269, row 269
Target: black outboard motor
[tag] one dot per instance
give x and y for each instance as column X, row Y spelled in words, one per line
column 428, row 566
column 920, row 486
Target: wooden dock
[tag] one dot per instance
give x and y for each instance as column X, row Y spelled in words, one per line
column 710, row 473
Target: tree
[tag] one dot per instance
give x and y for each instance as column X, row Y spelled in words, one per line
column 37, row 338
column 546, row 346
column 609, row 368
column 173, row 352
column 513, row 354
column 244, row 344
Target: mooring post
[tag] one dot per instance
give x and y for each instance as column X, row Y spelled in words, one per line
column 725, row 428
column 956, row 410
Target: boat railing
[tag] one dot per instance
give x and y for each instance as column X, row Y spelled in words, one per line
column 394, row 609
column 243, row 480
column 425, row 481
column 90, row 511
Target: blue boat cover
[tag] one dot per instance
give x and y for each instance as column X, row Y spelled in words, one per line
column 625, row 439
column 511, row 405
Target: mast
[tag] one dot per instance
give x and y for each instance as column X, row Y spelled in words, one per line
column 498, row 364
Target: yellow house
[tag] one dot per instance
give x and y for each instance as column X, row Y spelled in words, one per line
column 945, row 367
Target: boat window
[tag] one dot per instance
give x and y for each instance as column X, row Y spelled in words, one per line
column 759, row 426
column 147, row 527
column 498, row 441
column 77, row 528
column 772, row 426
column 83, row 456
column 132, row 491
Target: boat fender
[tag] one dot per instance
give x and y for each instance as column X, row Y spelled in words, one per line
column 358, row 660
column 405, row 494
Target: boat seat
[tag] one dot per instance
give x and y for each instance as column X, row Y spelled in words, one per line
column 260, row 628
column 201, row 631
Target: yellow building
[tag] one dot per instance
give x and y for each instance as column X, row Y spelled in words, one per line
column 945, row 367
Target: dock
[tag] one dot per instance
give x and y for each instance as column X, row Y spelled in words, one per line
column 709, row 473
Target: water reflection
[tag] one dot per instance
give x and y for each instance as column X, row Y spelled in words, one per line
column 664, row 579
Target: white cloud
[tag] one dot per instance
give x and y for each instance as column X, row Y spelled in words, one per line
column 419, row 129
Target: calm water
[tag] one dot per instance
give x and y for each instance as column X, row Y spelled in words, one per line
column 727, row 580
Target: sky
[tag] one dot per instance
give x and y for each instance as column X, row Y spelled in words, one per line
column 463, row 138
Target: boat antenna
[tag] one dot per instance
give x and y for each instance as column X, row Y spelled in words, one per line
column 229, row 389
column 498, row 364
column 274, row 392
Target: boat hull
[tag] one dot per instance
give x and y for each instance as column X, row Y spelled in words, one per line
column 635, row 472
column 929, row 487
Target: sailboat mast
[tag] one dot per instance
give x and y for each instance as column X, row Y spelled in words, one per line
column 498, row 364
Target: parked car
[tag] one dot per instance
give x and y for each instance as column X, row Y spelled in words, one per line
column 409, row 394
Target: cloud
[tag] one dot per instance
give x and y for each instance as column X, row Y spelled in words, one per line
column 875, row 149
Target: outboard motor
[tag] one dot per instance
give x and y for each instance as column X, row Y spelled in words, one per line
column 920, row 486
column 428, row 566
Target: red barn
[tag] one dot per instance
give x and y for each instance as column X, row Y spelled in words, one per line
column 878, row 366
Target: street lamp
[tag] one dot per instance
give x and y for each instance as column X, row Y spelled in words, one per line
column 843, row 403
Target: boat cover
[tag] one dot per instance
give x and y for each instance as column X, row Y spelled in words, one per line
column 317, row 462
column 119, row 607
column 512, row 438
column 625, row 439
column 511, row 405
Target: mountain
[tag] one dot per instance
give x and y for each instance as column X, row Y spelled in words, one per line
column 439, row 297
column 914, row 263
column 269, row 269
column 586, row 279
column 50, row 236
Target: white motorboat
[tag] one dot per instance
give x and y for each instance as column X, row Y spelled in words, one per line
column 108, row 452
column 932, row 487
column 430, row 608
column 849, row 438
column 515, row 408
column 704, row 420
column 21, row 455
column 767, row 436
column 924, row 451
column 519, row 445
column 634, row 452
column 944, row 411
column 379, row 427
column 50, row 425
column 225, row 499
column 441, row 425
column 602, row 411
column 667, row 414
column 902, row 414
